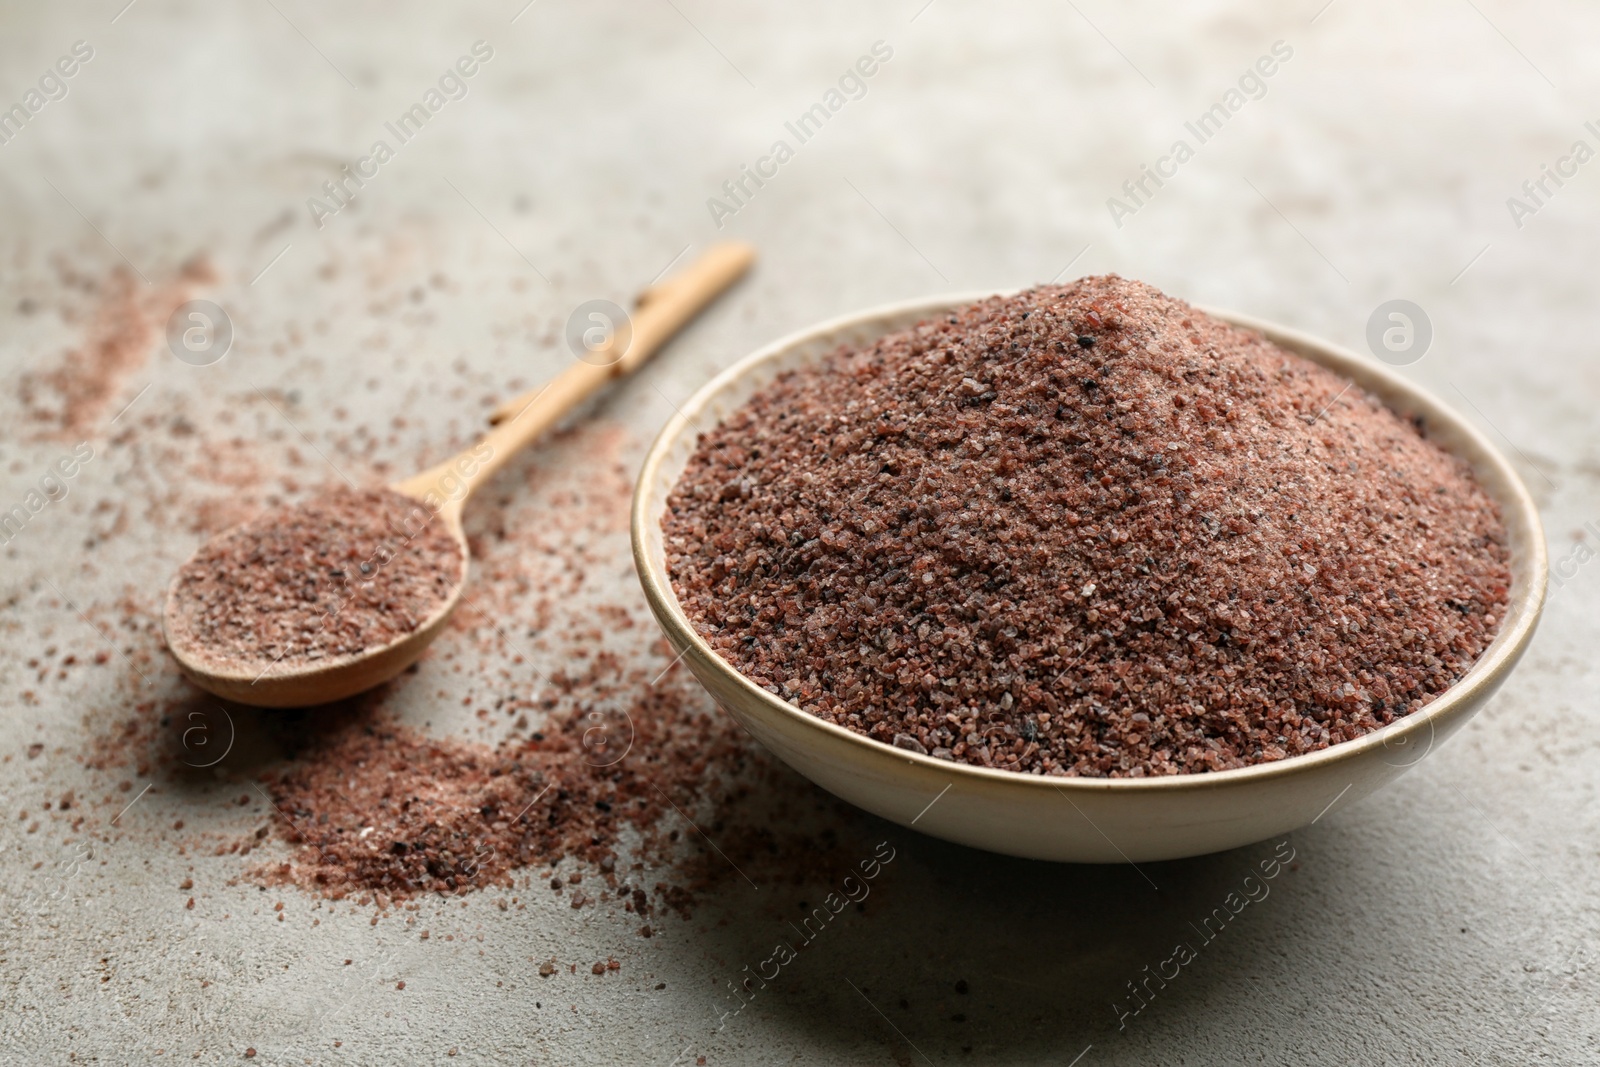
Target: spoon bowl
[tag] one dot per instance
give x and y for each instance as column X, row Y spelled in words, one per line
column 301, row 684
column 1086, row 820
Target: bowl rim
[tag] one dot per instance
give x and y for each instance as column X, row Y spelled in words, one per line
column 1516, row 630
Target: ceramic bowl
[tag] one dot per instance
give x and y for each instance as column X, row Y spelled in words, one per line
column 1084, row 820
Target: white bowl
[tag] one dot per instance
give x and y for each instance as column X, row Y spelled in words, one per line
column 1084, row 820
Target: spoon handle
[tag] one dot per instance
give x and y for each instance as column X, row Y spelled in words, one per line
column 659, row 312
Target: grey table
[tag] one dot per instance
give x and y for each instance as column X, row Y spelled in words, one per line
column 1393, row 152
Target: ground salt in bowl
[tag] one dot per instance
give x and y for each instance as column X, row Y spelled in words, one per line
column 1204, row 767
column 1086, row 530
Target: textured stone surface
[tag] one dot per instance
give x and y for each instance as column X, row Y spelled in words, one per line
column 1447, row 917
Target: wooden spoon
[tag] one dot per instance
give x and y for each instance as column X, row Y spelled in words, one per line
column 660, row 312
